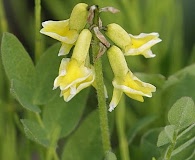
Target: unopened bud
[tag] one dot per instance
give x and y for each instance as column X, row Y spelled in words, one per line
column 82, row 46
column 117, row 61
column 118, row 35
column 78, row 17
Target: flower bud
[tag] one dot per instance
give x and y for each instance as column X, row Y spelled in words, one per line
column 117, row 61
column 118, row 35
column 78, row 17
column 82, row 46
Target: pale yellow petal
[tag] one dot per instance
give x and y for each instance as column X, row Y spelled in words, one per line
column 63, row 65
column 60, row 31
column 67, row 95
column 135, row 97
column 133, row 87
column 73, row 78
column 141, row 44
column 75, row 88
column 65, row 49
column 117, row 93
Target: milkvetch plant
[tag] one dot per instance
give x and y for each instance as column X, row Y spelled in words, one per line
column 101, row 59
column 96, row 61
column 77, row 73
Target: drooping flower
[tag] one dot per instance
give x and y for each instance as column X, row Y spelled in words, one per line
column 141, row 44
column 125, row 81
column 60, row 31
column 132, row 45
column 67, row 31
column 75, row 74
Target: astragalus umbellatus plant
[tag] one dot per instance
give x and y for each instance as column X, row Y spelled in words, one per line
column 86, row 34
column 73, row 92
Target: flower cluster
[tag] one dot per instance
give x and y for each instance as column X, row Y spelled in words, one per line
column 76, row 73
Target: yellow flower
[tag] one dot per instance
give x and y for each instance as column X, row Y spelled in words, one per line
column 75, row 74
column 73, row 78
column 67, row 31
column 60, row 31
column 141, row 44
column 125, row 81
column 132, row 45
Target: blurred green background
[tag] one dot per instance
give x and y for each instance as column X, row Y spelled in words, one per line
column 174, row 20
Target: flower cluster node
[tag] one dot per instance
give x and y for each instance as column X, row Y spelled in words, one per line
column 76, row 73
column 91, row 14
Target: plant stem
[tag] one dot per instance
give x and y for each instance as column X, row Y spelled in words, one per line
column 3, row 21
column 102, row 106
column 120, row 124
column 170, row 149
column 51, row 152
column 39, row 120
column 100, row 90
column 38, row 43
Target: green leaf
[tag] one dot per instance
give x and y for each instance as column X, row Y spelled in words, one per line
column 170, row 132
column 2, row 83
column 182, row 113
column 166, row 136
column 148, row 144
column 139, row 126
column 162, row 139
column 35, row 132
column 184, row 154
column 187, row 70
column 17, row 63
column 66, row 115
column 186, row 131
column 179, row 85
column 23, row 94
column 46, row 71
column 181, row 133
column 184, row 146
column 20, row 71
column 85, row 143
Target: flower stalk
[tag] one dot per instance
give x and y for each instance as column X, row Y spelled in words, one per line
column 120, row 125
column 38, row 42
column 100, row 88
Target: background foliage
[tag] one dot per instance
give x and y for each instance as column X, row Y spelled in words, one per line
column 73, row 126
